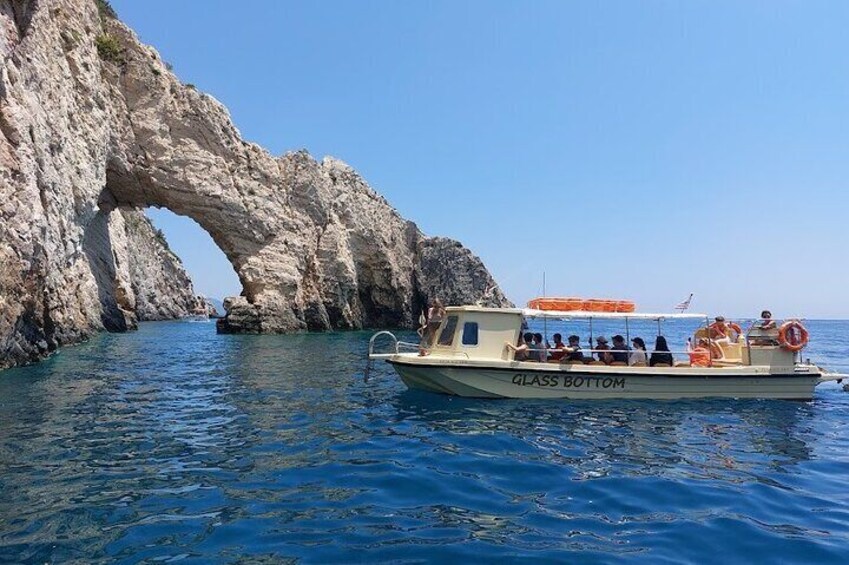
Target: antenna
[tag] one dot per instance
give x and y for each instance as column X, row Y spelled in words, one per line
column 544, row 323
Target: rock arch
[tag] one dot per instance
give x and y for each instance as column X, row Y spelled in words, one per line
column 92, row 120
column 313, row 245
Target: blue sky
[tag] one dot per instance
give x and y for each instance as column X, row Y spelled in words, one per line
column 641, row 150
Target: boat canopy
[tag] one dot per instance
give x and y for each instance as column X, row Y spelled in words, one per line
column 579, row 314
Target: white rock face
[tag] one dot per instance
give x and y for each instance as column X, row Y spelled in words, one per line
column 92, row 121
column 160, row 283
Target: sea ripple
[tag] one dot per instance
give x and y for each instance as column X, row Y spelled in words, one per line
column 175, row 444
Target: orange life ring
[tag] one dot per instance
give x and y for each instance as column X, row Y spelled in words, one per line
column 792, row 336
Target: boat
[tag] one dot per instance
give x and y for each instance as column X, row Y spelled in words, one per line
column 470, row 355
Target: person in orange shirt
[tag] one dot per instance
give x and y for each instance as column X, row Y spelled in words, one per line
column 719, row 330
column 558, row 350
column 699, row 355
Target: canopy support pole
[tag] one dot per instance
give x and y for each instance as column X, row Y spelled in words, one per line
column 710, row 342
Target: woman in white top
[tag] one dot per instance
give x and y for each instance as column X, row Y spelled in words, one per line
column 638, row 354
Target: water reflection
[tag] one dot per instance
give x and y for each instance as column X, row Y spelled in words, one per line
column 133, row 442
column 695, row 439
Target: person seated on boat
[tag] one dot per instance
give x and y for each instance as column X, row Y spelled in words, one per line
column 537, row 351
column 766, row 331
column 603, row 350
column 767, row 323
column 661, row 355
column 719, row 330
column 639, row 356
column 700, row 354
column 523, row 348
column 704, row 353
column 558, row 350
column 620, row 350
column 573, row 350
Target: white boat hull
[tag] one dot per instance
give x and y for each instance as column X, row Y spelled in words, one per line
column 535, row 380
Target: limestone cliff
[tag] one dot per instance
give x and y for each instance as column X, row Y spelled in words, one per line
column 91, row 121
column 162, row 288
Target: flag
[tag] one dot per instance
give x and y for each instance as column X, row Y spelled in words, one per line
column 685, row 304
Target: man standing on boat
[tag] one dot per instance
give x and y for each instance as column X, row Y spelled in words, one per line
column 434, row 317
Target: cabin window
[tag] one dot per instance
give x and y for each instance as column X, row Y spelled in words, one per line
column 470, row 333
column 446, row 337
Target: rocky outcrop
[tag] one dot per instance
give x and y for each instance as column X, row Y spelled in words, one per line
column 355, row 260
column 160, row 284
column 209, row 308
column 137, row 276
column 93, row 121
column 446, row 269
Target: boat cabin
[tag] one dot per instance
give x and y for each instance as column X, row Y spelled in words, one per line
column 476, row 332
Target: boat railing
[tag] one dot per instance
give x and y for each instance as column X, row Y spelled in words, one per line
column 396, row 346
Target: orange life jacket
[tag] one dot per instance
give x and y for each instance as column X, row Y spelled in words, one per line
column 700, row 357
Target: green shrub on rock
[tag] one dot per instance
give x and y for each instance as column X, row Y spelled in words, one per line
column 109, row 49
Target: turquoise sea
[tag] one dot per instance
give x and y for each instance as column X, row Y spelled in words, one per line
column 174, row 444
